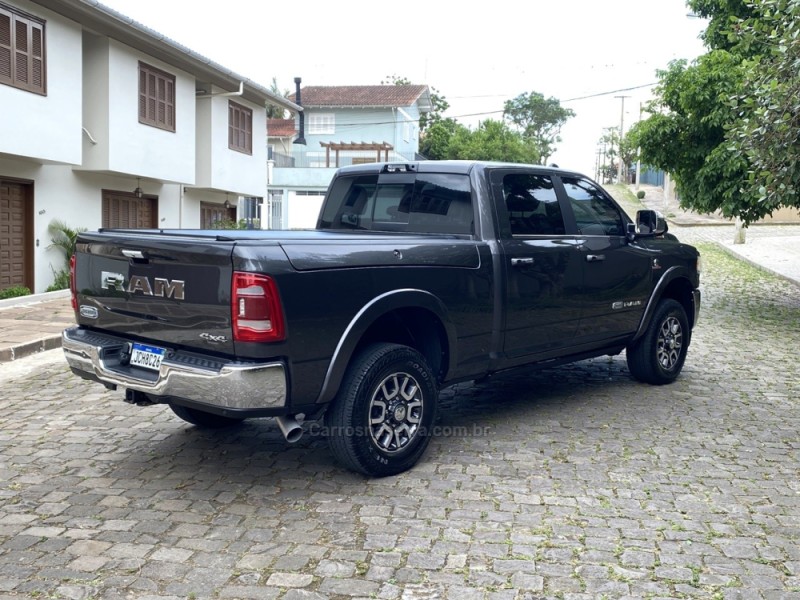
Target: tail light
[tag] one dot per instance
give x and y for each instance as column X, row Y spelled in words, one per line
column 256, row 309
column 72, row 285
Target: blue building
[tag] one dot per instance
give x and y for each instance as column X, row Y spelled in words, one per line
column 341, row 125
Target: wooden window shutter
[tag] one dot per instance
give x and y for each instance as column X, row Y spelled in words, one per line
column 21, row 53
column 36, row 56
column 156, row 97
column 5, row 46
column 240, row 128
column 22, row 50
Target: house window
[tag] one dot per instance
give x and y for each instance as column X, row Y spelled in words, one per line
column 22, row 60
column 240, row 128
column 322, row 123
column 156, row 97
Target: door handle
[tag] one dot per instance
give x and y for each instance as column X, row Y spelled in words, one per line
column 595, row 257
column 519, row 262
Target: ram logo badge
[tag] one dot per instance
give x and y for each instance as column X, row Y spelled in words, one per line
column 161, row 287
column 90, row 312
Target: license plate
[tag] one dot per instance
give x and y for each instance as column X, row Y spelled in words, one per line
column 147, row 357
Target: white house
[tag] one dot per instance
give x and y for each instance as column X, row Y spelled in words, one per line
column 344, row 125
column 107, row 123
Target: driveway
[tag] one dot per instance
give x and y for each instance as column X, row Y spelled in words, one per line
column 574, row 482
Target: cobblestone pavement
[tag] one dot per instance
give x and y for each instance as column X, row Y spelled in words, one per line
column 575, row 482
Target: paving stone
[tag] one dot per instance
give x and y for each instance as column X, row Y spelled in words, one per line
column 585, row 484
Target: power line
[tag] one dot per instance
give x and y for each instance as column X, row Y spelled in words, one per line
column 628, row 89
column 494, row 112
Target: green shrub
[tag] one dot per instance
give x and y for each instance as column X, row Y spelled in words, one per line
column 640, row 194
column 231, row 224
column 60, row 281
column 14, row 292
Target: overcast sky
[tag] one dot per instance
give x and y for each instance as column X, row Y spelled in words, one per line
column 475, row 54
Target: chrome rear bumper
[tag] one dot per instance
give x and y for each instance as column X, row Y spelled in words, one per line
column 208, row 380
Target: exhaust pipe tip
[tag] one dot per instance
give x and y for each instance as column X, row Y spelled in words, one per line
column 292, row 430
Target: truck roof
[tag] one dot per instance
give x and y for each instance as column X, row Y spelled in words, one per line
column 443, row 166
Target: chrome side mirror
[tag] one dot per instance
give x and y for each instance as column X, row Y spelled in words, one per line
column 650, row 222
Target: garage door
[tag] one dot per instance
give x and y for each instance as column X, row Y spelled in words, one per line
column 16, row 260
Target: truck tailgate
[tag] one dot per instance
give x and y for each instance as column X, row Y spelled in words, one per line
column 175, row 290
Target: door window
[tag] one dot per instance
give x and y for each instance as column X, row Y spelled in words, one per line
column 532, row 205
column 595, row 213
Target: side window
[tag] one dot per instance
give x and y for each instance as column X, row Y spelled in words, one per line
column 441, row 203
column 595, row 213
column 532, row 205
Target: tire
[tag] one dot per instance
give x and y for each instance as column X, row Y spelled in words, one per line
column 203, row 419
column 657, row 357
column 380, row 422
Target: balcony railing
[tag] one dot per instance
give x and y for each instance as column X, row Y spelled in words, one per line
column 317, row 159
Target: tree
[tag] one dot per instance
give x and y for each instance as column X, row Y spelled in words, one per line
column 686, row 134
column 610, row 143
column 273, row 110
column 767, row 135
column 439, row 103
column 722, row 125
column 436, row 141
column 538, row 119
column 491, row 140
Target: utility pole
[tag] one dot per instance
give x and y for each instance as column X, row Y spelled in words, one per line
column 621, row 123
column 639, row 155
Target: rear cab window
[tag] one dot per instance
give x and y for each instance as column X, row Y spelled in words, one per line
column 407, row 202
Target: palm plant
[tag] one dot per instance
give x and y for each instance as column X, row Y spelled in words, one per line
column 64, row 238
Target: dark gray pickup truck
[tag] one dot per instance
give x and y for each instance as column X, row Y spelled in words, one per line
column 417, row 276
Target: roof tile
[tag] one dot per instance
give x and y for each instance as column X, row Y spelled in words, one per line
column 280, row 127
column 360, row 95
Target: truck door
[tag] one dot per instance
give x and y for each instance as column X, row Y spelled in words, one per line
column 617, row 273
column 541, row 263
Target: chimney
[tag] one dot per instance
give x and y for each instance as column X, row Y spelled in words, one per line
column 301, row 136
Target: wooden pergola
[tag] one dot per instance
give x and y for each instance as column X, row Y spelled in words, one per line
column 339, row 146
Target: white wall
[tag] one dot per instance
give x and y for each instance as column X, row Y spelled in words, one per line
column 75, row 197
column 47, row 127
column 95, row 102
column 141, row 149
column 302, row 210
column 219, row 167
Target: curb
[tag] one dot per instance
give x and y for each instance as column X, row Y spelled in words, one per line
column 35, row 346
column 755, row 264
column 28, row 348
column 33, row 298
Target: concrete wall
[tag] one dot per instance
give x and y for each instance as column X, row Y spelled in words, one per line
column 47, row 127
column 219, row 167
column 141, row 149
column 302, row 211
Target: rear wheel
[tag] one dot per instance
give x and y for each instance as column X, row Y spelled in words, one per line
column 658, row 356
column 203, row 419
column 380, row 422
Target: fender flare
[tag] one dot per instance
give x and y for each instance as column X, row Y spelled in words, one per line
column 670, row 275
column 367, row 316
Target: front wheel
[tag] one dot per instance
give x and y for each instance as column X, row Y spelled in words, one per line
column 203, row 419
column 380, row 422
column 657, row 357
